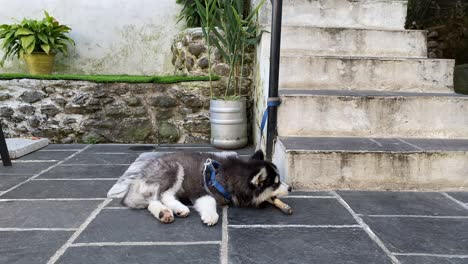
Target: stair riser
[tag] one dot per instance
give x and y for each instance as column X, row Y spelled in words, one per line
column 340, row 13
column 376, row 171
column 349, row 42
column 322, row 73
column 416, row 117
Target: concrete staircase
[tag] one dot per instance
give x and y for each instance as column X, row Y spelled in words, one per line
column 362, row 105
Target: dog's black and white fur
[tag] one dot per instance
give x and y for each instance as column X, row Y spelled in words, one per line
column 179, row 176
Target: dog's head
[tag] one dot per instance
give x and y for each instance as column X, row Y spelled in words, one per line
column 266, row 181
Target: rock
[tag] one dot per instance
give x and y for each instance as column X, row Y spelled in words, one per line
column 198, row 124
column 196, row 49
column 432, row 44
column 31, row 96
column 203, row 63
column 107, row 100
column 49, row 110
column 131, row 130
column 185, row 111
column 190, row 139
column 163, row 101
column 69, row 139
column 179, row 64
column 139, row 111
column 221, row 69
column 217, row 55
column 189, row 62
column 168, row 132
column 34, row 121
column 93, row 138
column 94, row 101
column 132, row 101
column 18, row 118
column 80, row 99
column 193, row 102
column 21, row 129
column 49, row 90
column 69, row 121
column 4, row 96
column 163, row 114
column 6, row 111
column 433, row 34
column 60, row 101
column 117, row 111
column 27, row 109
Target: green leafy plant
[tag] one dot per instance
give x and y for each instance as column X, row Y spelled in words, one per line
column 234, row 29
column 28, row 36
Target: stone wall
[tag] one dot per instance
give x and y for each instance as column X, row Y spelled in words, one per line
column 76, row 111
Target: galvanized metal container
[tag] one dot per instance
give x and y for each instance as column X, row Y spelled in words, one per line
column 228, row 124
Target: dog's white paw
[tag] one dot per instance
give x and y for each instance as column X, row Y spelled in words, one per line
column 210, row 219
column 166, row 216
column 182, row 211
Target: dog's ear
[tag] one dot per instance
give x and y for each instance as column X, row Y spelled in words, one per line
column 258, row 155
column 258, row 178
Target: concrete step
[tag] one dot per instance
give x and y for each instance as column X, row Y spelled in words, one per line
column 372, row 113
column 366, row 73
column 372, row 163
column 385, row 14
column 300, row 40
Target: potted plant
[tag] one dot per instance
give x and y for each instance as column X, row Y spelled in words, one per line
column 36, row 41
column 225, row 25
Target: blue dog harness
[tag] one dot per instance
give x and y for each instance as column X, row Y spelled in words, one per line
column 209, row 179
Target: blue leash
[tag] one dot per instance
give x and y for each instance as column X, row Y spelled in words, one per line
column 272, row 102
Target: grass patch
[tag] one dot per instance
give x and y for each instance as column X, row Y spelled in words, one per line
column 109, row 78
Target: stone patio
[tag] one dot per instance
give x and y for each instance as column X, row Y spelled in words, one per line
column 53, row 209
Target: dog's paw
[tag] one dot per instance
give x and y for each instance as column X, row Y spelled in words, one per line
column 183, row 212
column 166, row 216
column 210, row 219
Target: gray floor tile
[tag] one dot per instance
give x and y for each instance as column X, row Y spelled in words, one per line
column 305, row 212
column 461, row 196
column 8, row 181
column 60, row 189
column 115, row 203
column 439, row 144
column 25, row 168
column 30, row 247
column 392, row 144
column 422, row 235
column 303, row 245
column 139, row 225
column 121, row 148
column 95, row 158
column 48, row 155
column 310, row 193
column 45, row 214
column 65, row 146
column 331, row 144
column 430, row 260
column 142, row 254
column 85, row 171
column 402, row 203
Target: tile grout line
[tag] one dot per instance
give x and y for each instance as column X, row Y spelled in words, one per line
column 367, row 229
column 52, row 199
column 58, row 150
column 294, row 226
column 308, row 197
column 430, row 255
column 34, row 161
column 76, row 179
column 103, row 244
column 224, row 254
column 36, row 229
column 43, row 171
column 78, row 232
column 418, row 216
column 455, row 200
column 95, row 164
column 409, row 144
column 376, row 142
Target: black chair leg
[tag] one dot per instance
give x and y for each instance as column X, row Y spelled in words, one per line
column 4, row 149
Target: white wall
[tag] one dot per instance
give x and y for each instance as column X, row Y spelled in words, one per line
column 112, row 36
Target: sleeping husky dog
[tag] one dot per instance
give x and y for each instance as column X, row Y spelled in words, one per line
column 165, row 180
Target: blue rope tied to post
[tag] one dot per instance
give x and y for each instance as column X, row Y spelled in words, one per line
column 272, row 102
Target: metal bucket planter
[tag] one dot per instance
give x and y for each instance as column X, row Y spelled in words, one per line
column 228, row 124
column 39, row 63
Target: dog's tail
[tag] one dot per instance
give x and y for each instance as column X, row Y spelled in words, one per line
column 139, row 193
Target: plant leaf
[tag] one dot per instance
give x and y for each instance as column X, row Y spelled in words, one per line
column 45, row 48
column 27, row 41
column 23, row 32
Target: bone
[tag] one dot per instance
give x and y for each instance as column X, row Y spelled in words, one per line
column 286, row 209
